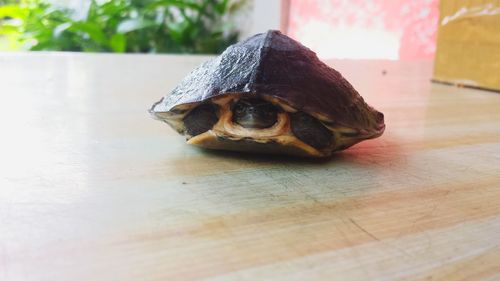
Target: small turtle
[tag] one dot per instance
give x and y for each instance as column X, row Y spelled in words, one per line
column 269, row 94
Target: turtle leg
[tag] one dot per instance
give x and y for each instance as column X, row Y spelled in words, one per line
column 310, row 130
column 201, row 119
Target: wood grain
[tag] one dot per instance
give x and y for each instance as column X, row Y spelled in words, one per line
column 91, row 188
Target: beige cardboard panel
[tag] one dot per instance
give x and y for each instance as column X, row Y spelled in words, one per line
column 468, row 44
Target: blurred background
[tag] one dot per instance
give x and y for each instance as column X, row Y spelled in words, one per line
column 352, row 29
column 363, row 29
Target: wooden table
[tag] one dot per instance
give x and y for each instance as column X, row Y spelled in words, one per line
column 91, row 188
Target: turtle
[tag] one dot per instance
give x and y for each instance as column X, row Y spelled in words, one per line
column 269, row 94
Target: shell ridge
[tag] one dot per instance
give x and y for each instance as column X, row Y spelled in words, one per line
column 262, row 51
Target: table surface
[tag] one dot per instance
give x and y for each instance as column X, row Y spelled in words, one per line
column 91, row 188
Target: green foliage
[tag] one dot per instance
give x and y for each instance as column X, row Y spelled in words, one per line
column 163, row 26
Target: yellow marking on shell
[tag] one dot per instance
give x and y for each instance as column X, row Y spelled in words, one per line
column 280, row 103
column 280, row 132
column 225, row 124
column 225, row 99
column 225, row 128
column 212, row 139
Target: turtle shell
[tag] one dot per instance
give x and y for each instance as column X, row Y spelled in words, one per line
column 274, row 64
column 272, row 67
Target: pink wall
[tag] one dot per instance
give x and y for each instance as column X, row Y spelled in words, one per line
column 364, row 29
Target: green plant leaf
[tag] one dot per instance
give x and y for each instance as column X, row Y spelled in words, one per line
column 177, row 3
column 13, row 11
column 118, row 43
column 178, row 31
column 92, row 29
column 9, row 29
column 178, row 26
column 221, row 6
column 61, row 28
column 113, row 7
column 133, row 24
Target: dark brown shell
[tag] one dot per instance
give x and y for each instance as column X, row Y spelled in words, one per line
column 273, row 64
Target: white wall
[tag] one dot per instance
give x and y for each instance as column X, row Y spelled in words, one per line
column 264, row 15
